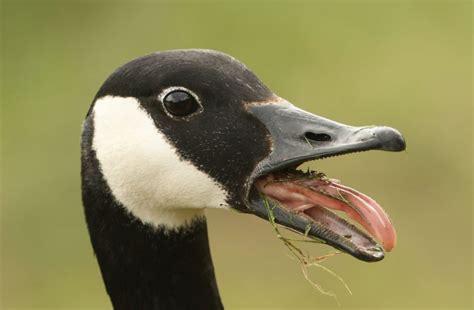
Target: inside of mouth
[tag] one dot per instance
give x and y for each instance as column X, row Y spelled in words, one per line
column 313, row 195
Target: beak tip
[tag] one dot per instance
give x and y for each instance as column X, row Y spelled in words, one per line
column 375, row 255
column 390, row 139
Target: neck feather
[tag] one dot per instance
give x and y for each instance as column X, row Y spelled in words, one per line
column 146, row 267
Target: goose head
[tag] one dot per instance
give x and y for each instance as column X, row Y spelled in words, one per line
column 179, row 131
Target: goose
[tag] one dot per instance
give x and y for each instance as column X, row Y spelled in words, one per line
column 175, row 132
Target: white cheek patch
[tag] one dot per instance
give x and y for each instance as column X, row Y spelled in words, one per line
column 144, row 171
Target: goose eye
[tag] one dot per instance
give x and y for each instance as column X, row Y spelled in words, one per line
column 180, row 103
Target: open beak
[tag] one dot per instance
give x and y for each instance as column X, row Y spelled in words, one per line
column 306, row 202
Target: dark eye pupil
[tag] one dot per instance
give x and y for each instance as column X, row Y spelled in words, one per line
column 180, row 103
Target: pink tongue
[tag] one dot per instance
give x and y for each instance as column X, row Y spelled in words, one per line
column 302, row 194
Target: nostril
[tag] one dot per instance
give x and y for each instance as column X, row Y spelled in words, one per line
column 318, row 137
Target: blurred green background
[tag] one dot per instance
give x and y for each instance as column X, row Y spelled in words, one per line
column 406, row 64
